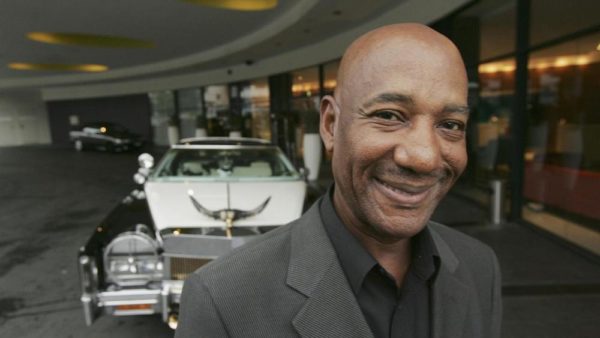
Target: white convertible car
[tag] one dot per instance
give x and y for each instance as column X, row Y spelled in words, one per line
column 204, row 198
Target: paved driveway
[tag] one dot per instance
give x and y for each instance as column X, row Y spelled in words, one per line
column 50, row 201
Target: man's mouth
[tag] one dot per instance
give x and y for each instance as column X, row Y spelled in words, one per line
column 406, row 195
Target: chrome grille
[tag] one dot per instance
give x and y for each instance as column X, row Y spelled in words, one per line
column 181, row 267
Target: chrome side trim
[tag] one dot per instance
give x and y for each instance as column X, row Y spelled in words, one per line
column 165, row 303
column 88, row 279
column 88, row 309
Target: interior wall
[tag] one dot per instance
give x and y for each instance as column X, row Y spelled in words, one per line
column 23, row 119
column 130, row 111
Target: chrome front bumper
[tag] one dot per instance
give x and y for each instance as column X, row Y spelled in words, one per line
column 130, row 302
column 186, row 254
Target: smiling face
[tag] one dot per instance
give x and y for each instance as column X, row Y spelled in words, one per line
column 396, row 130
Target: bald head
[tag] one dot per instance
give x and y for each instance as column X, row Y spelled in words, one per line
column 395, row 130
column 408, row 44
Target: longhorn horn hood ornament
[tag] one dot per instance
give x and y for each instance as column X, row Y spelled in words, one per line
column 228, row 215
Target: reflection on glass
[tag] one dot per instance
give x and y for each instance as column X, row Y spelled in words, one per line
column 216, row 99
column 305, row 104
column 162, row 104
column 488, row 26
column 497, row 26
column 255, row 108
column 492, row 116
column 305, row 82
column 190, row 111
column 562, row 171
column 553, row 19
column 330, row 71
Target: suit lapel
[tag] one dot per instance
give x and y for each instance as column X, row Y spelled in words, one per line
column 450, row 296
column 331, row 310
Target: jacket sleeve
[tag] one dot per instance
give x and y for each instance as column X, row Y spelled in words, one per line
column 198, row 314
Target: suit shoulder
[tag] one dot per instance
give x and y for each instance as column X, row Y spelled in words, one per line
column 261, row 252
column 459, row 242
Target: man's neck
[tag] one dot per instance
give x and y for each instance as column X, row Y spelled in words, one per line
column 394, row 257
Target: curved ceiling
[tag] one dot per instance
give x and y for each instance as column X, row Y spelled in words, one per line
column 188, row 38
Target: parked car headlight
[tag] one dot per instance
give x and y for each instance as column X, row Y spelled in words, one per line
column 132, row 258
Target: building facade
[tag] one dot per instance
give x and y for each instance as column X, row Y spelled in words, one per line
column 534, row 73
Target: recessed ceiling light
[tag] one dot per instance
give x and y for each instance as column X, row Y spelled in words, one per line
column 239, row 5
column 90, row 40
column 89, row 68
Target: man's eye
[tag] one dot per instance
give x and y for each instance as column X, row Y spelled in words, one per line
column 453, row 125
column 387, row 115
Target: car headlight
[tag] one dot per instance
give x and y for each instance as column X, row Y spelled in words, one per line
column 132, row 259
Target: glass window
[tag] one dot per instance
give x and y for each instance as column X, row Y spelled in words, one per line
column 255, row 110
column 330, row 71
column 163, row 110
column 305, row 105
column 216, row 100
column 553, row 19
column 498, row 29
column 190, row 110
column 305, row 84
column 562, row 170
column 225, row 163
column 491, row 118
column 485, row 30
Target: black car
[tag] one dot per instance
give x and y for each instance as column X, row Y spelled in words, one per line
column 105, row 136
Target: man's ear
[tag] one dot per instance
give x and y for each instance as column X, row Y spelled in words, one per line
column 328, row 122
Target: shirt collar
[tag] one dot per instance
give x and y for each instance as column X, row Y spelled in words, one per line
column 356, row 260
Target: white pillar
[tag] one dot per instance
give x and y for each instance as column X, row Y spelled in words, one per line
column 312, row 155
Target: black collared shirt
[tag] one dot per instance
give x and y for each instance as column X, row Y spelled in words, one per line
column 389, row 311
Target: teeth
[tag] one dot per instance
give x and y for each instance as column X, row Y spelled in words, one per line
column 389, row 186
column 409, row 191
column 395, row 189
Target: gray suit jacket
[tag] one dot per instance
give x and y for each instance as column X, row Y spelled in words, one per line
column 289, row 283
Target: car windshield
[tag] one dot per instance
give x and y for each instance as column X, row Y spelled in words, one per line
column 227, row 163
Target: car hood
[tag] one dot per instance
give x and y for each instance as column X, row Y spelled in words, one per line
column 171, row 206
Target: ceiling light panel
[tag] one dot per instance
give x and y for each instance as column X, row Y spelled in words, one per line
column 61, row 67
column 89, row 40
column 238, row 5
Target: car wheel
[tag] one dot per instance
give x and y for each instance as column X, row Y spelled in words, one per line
column 78, row 145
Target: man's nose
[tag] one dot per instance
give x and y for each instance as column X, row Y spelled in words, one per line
column 419, row 149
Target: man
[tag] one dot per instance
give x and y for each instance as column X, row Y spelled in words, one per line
column 365, row 261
